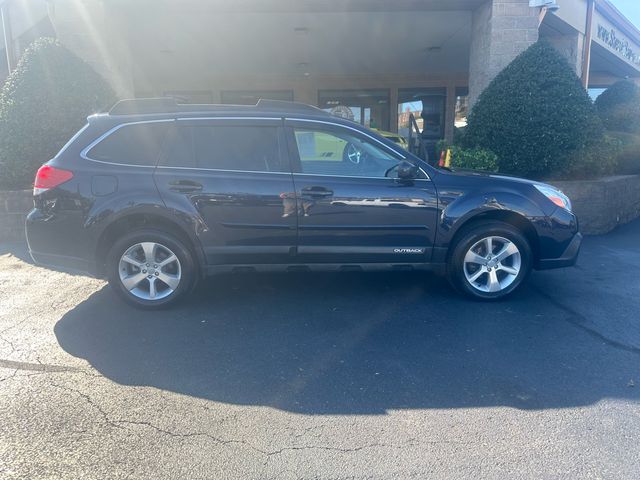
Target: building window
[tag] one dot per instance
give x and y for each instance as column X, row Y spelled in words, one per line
column 427, row 106
column 462, row 107
column 251, row 97
column 366, row 107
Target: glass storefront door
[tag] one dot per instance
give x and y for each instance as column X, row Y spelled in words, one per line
column 428, row 107
column 462, row 107
column 367, row 107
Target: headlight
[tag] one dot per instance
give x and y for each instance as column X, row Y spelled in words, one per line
column 555, row 195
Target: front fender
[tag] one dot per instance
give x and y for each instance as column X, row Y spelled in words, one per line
column 457, row 210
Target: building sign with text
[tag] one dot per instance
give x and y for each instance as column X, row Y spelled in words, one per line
column 612, row 39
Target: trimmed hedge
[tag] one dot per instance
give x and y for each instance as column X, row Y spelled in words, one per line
column 596, row 159
column 535, row 115
column 469, row 158
column 619, row 107
column 628, row 156
column 474, row 159
column 44, row 101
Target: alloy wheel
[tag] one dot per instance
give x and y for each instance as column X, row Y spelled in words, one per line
column 149, row 271
column 492, row 264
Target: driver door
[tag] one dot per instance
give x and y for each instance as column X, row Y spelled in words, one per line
column 350, row 208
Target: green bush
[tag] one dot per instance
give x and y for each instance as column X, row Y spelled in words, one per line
column 441, row 145
column 474, row 159
column 44, row 101
column 535, row 115
column 628, row 156
column 619, row 107
column 596, row 159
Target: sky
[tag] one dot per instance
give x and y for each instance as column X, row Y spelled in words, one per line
column 630, row 9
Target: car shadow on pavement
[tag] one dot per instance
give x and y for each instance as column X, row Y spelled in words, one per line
column 350, row 344
column 16, row 249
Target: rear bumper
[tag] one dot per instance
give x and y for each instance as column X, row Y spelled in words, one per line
column 55, row 242
column 63, row 263
column 568, row 257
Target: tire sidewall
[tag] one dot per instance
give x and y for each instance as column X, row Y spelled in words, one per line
column 185, row 257
column 470, row 238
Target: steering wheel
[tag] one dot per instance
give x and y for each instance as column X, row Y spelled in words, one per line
column 353, row 154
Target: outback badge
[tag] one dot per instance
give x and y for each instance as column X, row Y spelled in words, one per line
column 408, row 250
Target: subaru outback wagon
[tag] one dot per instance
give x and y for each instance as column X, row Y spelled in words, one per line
column 155, row 196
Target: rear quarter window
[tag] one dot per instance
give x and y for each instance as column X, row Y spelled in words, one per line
column 136, row 144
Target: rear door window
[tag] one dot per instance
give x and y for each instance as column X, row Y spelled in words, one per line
column 135, row 144
column 178, row 151
column 252, row 148
column 245, row 148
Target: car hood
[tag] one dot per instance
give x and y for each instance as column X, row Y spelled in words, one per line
column 485, row 175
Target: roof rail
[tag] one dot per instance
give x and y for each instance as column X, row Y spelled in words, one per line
column 141, row 106
column 285, row 106
column 144, row 105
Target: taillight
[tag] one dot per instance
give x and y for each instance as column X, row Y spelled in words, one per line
column 50, row 177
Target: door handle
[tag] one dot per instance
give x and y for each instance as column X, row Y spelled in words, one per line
column 185, row 186
column 317, row 192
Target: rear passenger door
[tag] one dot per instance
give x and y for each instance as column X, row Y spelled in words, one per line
column 233, row 175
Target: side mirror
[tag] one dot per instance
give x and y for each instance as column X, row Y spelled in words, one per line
column 407, row 170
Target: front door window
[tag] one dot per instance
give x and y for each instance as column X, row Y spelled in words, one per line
column 342, row 154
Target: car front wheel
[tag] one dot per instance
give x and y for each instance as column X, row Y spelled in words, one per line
column 150, row 269
column 490, row 260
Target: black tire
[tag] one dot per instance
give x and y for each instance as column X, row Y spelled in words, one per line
column 477, row 233
column 185, row 269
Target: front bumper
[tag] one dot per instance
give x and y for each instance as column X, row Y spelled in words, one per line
column 568, row 258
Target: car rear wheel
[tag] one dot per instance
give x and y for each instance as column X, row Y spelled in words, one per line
column 150, row 269
column 490, row 260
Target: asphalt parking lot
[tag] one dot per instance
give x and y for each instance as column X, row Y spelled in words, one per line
column 329, row 376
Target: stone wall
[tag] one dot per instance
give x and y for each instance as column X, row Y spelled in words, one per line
column 14, row 207
column 601, row 205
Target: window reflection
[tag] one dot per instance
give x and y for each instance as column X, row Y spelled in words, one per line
column 462, row 107
column 366, row 107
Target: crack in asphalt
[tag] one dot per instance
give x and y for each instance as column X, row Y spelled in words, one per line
column 575, row 318
column 15, row 325
column 10, row 376
column 120, row 423
column 13, row 347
